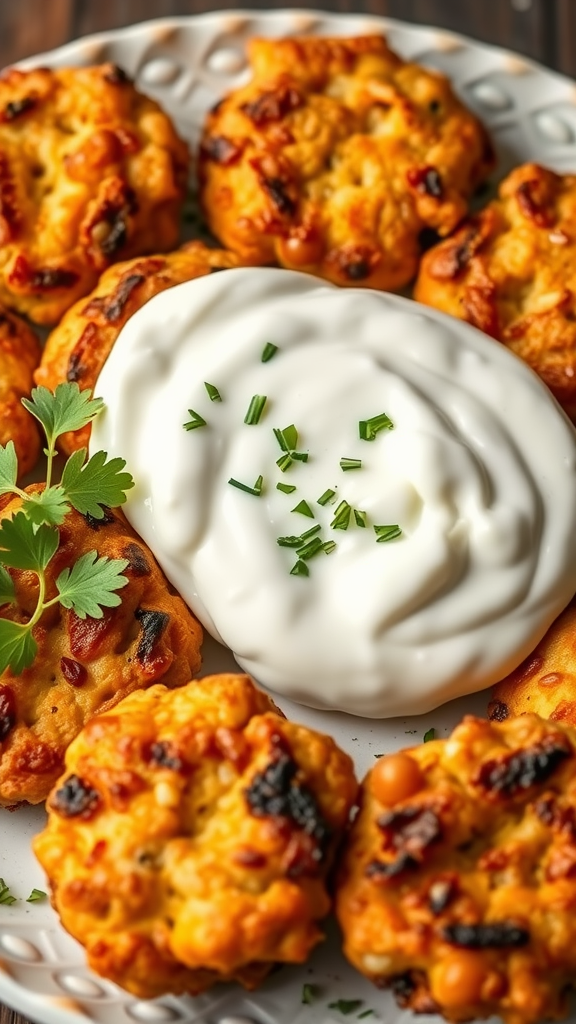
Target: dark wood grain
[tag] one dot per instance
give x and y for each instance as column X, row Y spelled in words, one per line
column 543, row 29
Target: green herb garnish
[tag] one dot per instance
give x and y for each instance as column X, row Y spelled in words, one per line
column 366, row 1013
column 284, row 462
column 386, row 533
column 269, row 351
column 329, row 546
column 300, row 569
column 341, row 516
column 369, row 428
column 300, row 456
column 430, row 735
column 286, row 488
column 213, row 393
column 360, row 517
column 29, row 539
column 6, row 896
column 287, row 438
column 296, row 542
column 309, row 994
column 35, row 896
column 304, row 509
column 311, row 548
column 255, row 410
column 346, row 464
column 346, row 1006
column 196, row 420
column 256, row 489
column 328, row 498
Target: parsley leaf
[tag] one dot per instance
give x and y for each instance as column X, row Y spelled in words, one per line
column 17, row 648
column 8, row 468
column 24, row 546
column 91, row 583
column 89, row 487
column 48, row 506
column 7, row 592
column 66, row 408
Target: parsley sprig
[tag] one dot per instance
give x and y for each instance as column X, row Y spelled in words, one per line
column 29, row 539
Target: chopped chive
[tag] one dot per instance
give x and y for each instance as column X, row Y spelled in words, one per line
column 213, row 393
column 385, row 533
column 296, row 542
column 311, row 532
column 287, row 438
column 346, row 1006
column 329, row 546
column 6, row 897
column 360, row 517
column 346, row 464
column 300, row 456
column 341, row 516
column 300, row 569
column 286, row 488
column 279, row 435
column 366, row 1013
column 313, row 547
column 369, row 428
column 284, row 462
column 256, row 489
column 328, row 498
column 269, row 351
column 255, row 410
column 309, row 994
column 36, row 895
column 429, row 735
column 304, row 509
column 196, row 420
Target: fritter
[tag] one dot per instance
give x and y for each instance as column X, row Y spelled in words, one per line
column 77, row 349
column 91, row 171
column 19, row 357
column 335, row 158
column 545, row 682
column 458, row 884
column 189, row 840
column 511, row 271
column 85, row 666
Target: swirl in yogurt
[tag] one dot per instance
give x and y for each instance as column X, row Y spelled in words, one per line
column 478, row 472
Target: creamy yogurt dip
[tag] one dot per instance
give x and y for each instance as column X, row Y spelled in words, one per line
column 477, row 472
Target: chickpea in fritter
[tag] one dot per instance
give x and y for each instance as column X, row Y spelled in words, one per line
column 84, row 666
column 189, row 839
column 19, row 357
column 545, row 682
column 91, row 171
column 335, row 157
column 511, row 272
column 78, row 347
column 457, row 887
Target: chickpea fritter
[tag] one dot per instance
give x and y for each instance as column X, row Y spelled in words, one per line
column 77, row 349
column 458, row 885
column 511, row 271
column 91, row 171
column 545, row 682
column 188, row 841
column 84, row 666
column 335, row 157
column 19, row 357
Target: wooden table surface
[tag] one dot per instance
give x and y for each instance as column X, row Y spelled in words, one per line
column 543, row 29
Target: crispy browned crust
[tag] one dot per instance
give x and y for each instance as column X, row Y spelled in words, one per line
column 545, row 683
column 91, row 171
column 335, row 157
column 511, row 271
column 188, row 841
column 77, row 349
column 85, row 666
column 19, row 357
column 482, row 859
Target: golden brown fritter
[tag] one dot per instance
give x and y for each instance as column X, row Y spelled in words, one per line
column 335, row 157
column 458, row 885
column 19, row 357
column 511, row 271
column 91, row 171
column 78, row 348
column 545, row 682
column 189, row 839
column 85, row 666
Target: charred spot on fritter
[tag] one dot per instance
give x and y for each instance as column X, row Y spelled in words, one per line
column 272, row 106
column 222, row 150
column 498, row 711
column 532, row 201
column 116, row 75
column 153, row 624
column 514, row 773
column 7, row 711
column 426, row 180
column 138, row 563
column 496, row 935
column 277, row 190
column 411, row 830
column 104, row 520
column 76, row 799
column 162, row 754
column 16, row 108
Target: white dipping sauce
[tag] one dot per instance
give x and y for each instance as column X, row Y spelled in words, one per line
column 479, row 472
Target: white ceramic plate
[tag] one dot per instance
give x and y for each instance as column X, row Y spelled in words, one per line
column 187, row 63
